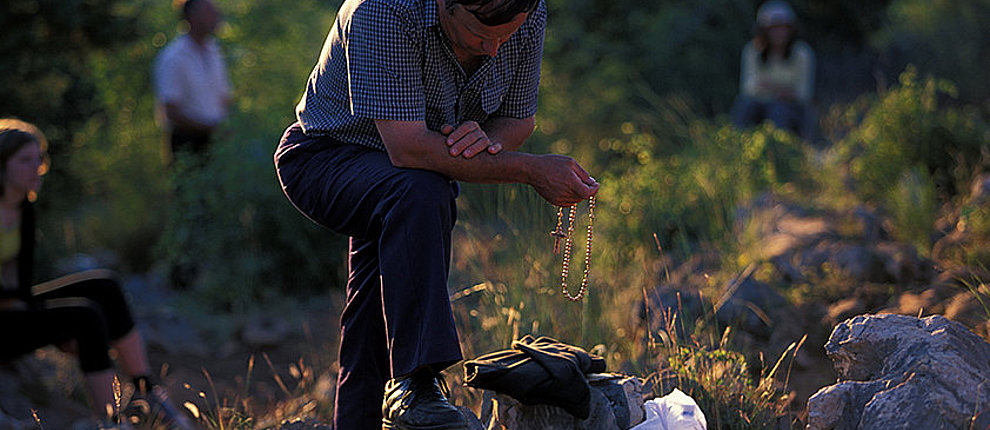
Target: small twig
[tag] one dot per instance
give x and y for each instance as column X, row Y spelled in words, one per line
column 278, row 379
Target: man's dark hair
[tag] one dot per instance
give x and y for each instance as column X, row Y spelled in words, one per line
column 186, row 7
column 496, row 12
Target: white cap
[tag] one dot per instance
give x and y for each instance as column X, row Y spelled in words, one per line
column 775, row 12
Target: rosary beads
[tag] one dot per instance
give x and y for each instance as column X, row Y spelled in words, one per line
column 568, row 237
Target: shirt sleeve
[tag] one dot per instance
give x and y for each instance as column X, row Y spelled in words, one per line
column 384, row 77
column 522, row 95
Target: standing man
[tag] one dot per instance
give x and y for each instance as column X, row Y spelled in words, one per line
column 191, row 82
column 407, row 97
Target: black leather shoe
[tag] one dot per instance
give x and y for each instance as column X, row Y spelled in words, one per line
column 419, row 402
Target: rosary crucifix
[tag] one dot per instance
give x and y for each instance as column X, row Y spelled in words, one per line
column 568, row 238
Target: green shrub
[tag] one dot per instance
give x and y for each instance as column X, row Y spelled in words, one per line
column 912, row 208
column 907, row 152
column 229, row 220
column 906, row 127
column 689, row 195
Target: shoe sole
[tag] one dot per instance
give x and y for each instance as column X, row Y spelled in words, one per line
column 389, row 425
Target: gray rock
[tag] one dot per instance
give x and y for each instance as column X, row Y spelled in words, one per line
column 901, row 372
column 850, row 260
column 748, row 304
column 265, row 331
column 857, row 262
column 168, row 332
column 616, row 404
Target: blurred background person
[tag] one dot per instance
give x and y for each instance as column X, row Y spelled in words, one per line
column 777, row 76
column 193, row 95
column 191, row 82
column 83, row 313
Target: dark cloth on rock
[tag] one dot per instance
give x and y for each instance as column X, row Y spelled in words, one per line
column 538, row 371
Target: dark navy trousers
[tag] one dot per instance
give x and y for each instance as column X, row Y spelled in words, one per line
column 397, row 316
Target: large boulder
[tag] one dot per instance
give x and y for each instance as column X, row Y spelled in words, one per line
column 902, row 372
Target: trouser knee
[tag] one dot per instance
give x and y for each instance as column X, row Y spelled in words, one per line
column 86, row 324
column 101, row 291
column 420, row 193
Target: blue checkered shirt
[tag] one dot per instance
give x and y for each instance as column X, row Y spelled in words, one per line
column 388, row 59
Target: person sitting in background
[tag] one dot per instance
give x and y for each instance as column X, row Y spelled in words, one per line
column 83, row 313
column 777, row 76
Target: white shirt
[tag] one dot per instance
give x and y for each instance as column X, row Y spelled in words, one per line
column 194, row 78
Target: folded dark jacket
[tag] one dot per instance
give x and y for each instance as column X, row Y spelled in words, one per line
column 538, row 371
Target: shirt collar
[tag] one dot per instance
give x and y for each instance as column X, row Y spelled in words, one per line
column 430, row 13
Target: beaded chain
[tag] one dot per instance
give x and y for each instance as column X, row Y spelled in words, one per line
column 568, row 237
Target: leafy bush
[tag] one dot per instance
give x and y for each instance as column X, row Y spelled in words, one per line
column 909, row 153
column 688, row 195
column 913, row 207
column 229, row 221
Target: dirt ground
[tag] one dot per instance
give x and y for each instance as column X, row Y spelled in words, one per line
column 261, row 382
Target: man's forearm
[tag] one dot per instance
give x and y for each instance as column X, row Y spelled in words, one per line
column 511, row 133
column 426, row 150
column 557, row 178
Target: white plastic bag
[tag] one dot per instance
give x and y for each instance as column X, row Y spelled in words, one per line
column 675, row 411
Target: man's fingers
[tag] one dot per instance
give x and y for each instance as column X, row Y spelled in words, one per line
column 466, row 146
column 593, row 189
column 582, row 174
column 462, row 130
column 445, row 130
column 475, row 147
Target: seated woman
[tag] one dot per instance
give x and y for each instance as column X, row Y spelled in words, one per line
column 777, row 76
column 85, row 313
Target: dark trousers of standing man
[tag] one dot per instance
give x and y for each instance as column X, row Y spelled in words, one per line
column 397, row 316
column 189, row 141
